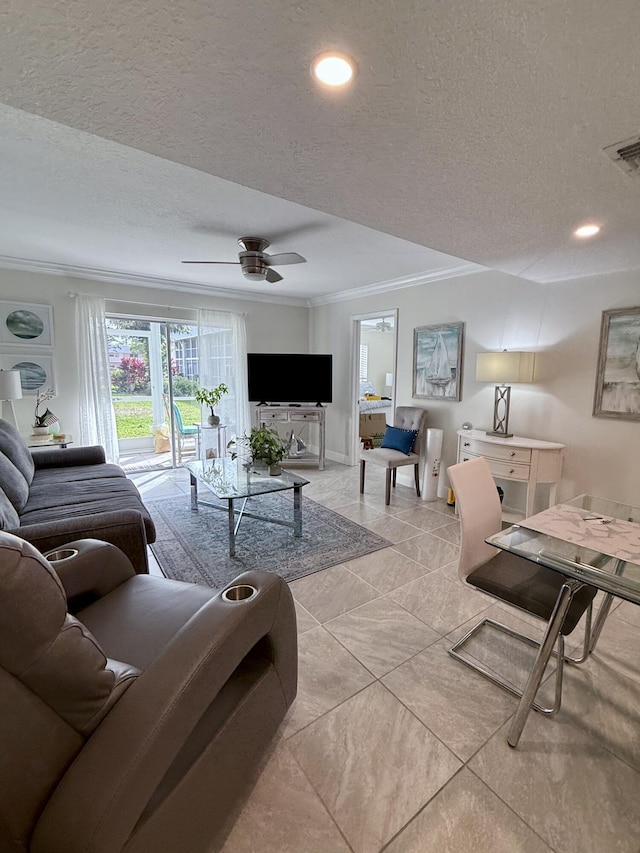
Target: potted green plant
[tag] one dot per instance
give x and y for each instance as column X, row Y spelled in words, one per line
column 211, row 397
column 265, row 446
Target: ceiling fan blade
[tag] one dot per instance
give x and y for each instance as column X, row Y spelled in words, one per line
column 237, row 263
column 284, row 258
column 272, row 276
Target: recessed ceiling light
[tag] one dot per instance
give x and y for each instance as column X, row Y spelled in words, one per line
column 587, row 230
column 333, row 69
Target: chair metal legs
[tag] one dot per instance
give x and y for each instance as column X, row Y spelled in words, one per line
column 552, row 637
column 498, row 679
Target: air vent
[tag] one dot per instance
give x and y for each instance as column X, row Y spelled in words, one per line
column 626, row 155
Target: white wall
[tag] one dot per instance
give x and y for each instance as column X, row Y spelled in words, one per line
column 270, row 327
column 561, row 322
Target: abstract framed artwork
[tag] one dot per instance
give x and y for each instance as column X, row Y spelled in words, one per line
column 36, row 371
column 617, row 393
column 437, row 361
column 26, row 324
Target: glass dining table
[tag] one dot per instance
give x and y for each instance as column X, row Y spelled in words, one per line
column 589, row 540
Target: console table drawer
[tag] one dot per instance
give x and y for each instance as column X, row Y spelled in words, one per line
column 495, row 451
column 310, row 416
column 273, row 416
column 503, row 469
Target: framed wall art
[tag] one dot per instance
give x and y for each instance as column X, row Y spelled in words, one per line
column 617, row 392
column 437, row 361
column 26, row 324
column 36, row 371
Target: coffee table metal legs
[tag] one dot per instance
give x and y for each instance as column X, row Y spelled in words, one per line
column 297, row 511
column 232, row 529
column 233, row 524
column 194, row 491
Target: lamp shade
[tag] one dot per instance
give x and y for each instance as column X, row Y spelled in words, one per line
column 504, row 368
column 10, row 385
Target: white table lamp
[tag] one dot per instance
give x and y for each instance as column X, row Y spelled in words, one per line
column 503, row 368
column 10, row 390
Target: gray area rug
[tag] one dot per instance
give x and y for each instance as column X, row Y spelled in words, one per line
column 194, row 546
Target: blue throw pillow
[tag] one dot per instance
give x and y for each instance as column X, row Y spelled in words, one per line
column 399, row 439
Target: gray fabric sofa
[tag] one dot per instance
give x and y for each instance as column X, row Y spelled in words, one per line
column 57, row 494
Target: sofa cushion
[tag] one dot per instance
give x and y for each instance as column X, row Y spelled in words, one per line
column 75, row 474
column 49, row 502
column 13, row 446
column 9, row 519
column 13, row 482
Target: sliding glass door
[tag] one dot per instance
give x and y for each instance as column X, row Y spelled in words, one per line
column 153, row 365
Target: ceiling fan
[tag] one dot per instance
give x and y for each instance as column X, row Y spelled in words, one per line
column 255, row 263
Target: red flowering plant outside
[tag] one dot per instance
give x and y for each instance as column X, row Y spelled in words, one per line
column 131, row 375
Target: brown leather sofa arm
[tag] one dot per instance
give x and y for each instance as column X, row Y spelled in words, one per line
column 123, row 528
column 114, row 778
column 89, row 568
column 61, row 457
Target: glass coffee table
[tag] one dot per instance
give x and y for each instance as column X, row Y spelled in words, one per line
column 229, row 480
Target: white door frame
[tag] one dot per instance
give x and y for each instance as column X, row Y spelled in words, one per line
column 354, row 443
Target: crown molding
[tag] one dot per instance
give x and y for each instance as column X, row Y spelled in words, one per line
column 158, row 283
column 115, row 277
column 396, row 284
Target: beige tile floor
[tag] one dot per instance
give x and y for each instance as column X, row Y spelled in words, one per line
column 393, row 745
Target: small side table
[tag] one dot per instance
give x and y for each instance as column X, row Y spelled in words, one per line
column 212, row 441
column 49, row 440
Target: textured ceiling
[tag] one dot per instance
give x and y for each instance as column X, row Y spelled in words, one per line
column 473, row 128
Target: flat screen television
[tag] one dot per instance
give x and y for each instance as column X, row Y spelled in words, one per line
column 290, row 377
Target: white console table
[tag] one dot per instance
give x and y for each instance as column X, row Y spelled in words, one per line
column 294, row 417
column 525, row 460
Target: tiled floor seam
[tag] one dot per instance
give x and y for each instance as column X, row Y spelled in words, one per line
column 519, row 817
column 315, row 791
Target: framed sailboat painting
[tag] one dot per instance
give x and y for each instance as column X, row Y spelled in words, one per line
column 437, row 361
column 618, row 379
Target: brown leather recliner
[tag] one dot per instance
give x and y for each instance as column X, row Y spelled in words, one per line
column 137, row 723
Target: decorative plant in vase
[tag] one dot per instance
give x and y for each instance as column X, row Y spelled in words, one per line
column 42, row 422
column 211, row 397
column 265, row 445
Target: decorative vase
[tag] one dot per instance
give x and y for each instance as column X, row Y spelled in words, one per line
column 213, row 420
column 41, row 430
column 275, row 470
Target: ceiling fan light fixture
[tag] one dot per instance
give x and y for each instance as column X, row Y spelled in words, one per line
column 333, row 69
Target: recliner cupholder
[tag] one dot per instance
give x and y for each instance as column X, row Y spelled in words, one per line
column 61, row 554
column 241, row 592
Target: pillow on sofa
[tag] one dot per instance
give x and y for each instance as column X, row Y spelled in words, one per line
column 14, row 447
column 9, row 518
column 399, row 439
column 13, row 482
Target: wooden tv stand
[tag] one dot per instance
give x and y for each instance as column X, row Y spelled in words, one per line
column 295, row 415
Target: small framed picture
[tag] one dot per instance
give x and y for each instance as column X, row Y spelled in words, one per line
column 26, row 324
column 437, row 361
column 36, row 371
column 617, row 393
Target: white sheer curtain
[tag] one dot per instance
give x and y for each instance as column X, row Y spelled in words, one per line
column 222, row 356
column 97, row 418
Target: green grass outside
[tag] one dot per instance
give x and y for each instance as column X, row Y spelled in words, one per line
column 134, row 418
